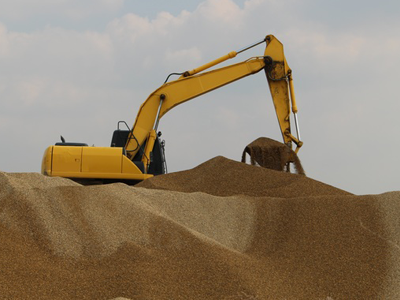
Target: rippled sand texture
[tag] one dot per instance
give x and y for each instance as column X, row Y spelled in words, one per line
column 223, row 230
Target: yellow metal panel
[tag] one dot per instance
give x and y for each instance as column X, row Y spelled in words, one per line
column 90, row 162
column 149, row 147
column 46, row 161
column 278, row 85
column 231, row 54
column 129, row 168
column 101, row 175
column 101, row 160
column 66, row 159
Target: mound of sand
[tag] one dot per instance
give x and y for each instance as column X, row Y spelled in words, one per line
column 224, row 177
column 179, row 237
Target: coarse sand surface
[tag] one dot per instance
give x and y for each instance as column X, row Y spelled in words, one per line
column 224, row 177
column 223, row 230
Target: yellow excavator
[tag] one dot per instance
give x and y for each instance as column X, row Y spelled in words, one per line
column 138, row 153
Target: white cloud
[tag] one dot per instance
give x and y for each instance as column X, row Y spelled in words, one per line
column 129, row 27
column 224, row 11
column 325, row 47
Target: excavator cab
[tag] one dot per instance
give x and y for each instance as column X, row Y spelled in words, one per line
column 157, row 156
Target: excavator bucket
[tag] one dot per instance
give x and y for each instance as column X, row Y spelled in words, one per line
column 272, row 154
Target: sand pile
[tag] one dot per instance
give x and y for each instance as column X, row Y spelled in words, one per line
column 179, row 237
column 224, row 177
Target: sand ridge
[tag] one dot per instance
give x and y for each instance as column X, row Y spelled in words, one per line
column 220, row 176
column 177, row 236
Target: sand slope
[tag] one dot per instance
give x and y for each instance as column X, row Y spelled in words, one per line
column 223, row 230
column 224, row 177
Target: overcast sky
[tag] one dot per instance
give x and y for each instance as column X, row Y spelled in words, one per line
column 78, row 67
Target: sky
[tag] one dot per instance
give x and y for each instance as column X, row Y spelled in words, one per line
column 76, row 68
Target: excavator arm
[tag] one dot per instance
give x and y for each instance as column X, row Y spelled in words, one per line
column 194, row 83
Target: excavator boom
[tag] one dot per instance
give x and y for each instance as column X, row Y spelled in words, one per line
column 184, row 89
column 192, row 84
